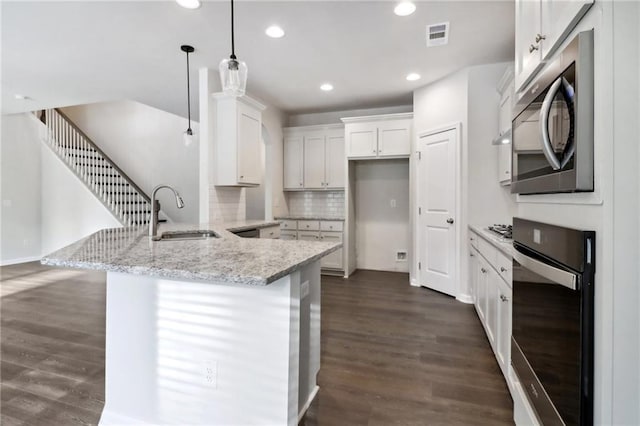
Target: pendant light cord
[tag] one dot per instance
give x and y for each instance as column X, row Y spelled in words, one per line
column 233, row 46
column 188, row 95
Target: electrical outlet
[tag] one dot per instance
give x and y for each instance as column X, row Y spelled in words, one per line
column 393, row 203
column 401, row 256
column 210, row 373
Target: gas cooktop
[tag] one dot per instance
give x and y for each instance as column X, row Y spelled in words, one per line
column 505, row 231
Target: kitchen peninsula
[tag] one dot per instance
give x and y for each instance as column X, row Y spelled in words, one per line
column 222, row 330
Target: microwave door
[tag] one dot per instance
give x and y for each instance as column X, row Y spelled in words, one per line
column 555, row 108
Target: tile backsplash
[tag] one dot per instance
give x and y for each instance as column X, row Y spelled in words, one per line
column 227, row 204
column 316, row 203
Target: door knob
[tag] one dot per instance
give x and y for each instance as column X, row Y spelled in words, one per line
column 450, row 220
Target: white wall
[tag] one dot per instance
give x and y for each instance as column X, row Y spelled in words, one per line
column 20, row 180
column 147, row 144
column 469, row 97
column 268, row 199
column 382, row 229
column 488, row 202
column 69, row 210
column 439, row 104
column 334, row 117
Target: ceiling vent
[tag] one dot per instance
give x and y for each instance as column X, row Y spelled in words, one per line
column 437, row 34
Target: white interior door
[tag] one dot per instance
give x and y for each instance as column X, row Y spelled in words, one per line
column 437, row 221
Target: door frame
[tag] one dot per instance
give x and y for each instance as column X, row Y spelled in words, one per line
column 459, row 220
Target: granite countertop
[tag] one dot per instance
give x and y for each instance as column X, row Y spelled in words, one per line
column 504, row 245
column 309, row 218
column 251, row 261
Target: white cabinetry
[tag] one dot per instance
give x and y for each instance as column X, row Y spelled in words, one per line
column 314, row 158
column 382, row 136
column 490, row 274
column 541, row 26
column 294, row 162
column 314, row 230
column 237, row 141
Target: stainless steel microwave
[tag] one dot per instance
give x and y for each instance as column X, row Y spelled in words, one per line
column 552, row 128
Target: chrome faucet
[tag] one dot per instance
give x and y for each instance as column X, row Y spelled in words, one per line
column 155, row 209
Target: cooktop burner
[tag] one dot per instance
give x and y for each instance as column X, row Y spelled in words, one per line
column 505, row 231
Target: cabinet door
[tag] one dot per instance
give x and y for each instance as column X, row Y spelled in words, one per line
column 394, row 138
column 334, row 161
column 504, row 164
column 503, row 346
column 249, row 145
column 293, row 162
column 492, row 306
column 482, row 270
column 473, row 274
column 332, row 260
column 362, row 140
column 528, row 50
column 558, row 18
column 272, row 232
column 314, row 167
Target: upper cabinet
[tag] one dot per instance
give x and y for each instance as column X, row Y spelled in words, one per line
column 237, row 141
column 541, row 27
column 314, row 158
column 381, row 136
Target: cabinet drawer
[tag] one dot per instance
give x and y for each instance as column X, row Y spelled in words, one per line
column 333, row 237
column 289, row 224
column 308, row 225
column 488, row 251
column 473, row 239
column 504, row 265
column 270, row 232
column 333, row 225
column 288, row 235
column 308, row 236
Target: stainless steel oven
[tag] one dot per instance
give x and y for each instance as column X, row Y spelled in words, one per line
column 552, row 335
column 552, row 128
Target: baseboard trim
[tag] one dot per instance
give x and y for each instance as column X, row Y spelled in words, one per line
column 20, row 260
column 414, row 282
column 465, row 298
column 307, row 404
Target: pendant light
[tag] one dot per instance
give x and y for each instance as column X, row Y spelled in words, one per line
column 233, row 73
column 188, row 135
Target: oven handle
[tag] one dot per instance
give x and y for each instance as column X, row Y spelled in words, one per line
column 564, row 278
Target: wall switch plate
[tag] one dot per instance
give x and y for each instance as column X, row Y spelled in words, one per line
column 210, row 373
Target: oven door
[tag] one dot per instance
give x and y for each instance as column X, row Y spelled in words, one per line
column 546, row 341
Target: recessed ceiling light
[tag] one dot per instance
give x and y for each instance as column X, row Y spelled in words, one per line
column 20, row 97
column 404, row 8
column 274, row 31
column 413, row 76
column 327, row 87
column 189, row 4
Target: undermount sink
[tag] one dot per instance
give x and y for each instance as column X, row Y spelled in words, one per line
column 186, row 235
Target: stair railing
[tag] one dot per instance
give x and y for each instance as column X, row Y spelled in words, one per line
column 102, row 175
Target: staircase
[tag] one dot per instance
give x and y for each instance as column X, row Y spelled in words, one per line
column 126, row 201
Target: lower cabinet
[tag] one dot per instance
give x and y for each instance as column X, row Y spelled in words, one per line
column 313, row 230
column 492, row 299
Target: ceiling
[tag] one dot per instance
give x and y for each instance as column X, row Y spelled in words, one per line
column 69, row 53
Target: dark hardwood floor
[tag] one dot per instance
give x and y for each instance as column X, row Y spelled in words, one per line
column 391, row 354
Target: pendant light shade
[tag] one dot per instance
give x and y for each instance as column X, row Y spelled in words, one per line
column 233, row 73
column 187, row 136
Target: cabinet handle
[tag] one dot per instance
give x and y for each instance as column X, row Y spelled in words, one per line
column 472, row 239
column 503, row 269
column 484, row 271
column 472, row 255
column 504, row 298
column 241, row 177
column 540, row 37
column 532, row 48
column 374, row 151
column 300, row 183
column 506, row 172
